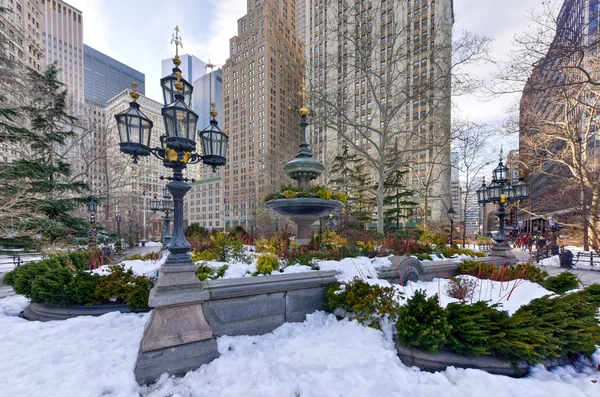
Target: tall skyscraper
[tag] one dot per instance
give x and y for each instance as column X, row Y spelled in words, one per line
column 204, row 205
column 62, row 37
column 383, row 66
column 557, row 126
column 105, row 77
column 261, row 80
column 21, row 28
column 192, row 68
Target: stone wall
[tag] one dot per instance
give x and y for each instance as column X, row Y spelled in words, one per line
column 243, row 306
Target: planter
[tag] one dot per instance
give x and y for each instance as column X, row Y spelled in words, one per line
column 42, row 312
column 426, row 361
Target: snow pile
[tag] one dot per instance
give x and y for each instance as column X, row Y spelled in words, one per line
column 83, row 356
column 509, row 294
column 321, row 357
column 553, row 261
column 138, row 266
column 152, row 244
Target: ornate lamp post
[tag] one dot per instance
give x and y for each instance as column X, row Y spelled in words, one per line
column 177, row 326
column 167, row 208
column 118, row 245
column 451, row 215
column 155, row 205
column 502, row 191
column 92, row 207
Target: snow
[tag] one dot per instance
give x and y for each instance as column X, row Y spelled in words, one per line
column 321, row 357
column 152, row 244
column 139, row 267
column 509, row 294
column 553, row 261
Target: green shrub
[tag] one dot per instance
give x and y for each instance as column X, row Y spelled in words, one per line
column 115, row 285
column 489, row 271
column 369, row 303
column 449, row 252
column 83, row 288
column 205, row 271
column 561, row 283
column 134, row 257
column 205, row 255
column 267, row 263
column 474, row 329
column 423, row 257
column 423, row 323
column 24, row 276
column 437, row 239
column 138, row 297
column 593, row 294
column 9, row 278
column 52, row 287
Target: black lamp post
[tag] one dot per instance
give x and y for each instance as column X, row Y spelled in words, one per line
column 92, row 207
column 167, row 208
column 178, row 295
column 502, row 191
column 130, row 234
column 451, row 214
column 118, row 245
column 155, row 205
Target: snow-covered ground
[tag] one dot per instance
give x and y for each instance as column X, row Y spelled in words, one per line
column 321, row 357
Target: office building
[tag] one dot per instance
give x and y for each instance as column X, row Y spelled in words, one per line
column 134, row 185
column 105, row 77
column 205, row 205
column 409, row 43
column 261, row 80
column 62, row 41
column 191, row 67
column 571, row 58
column 20, row 29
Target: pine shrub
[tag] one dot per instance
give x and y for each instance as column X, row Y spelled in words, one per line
column 561, row 283
column 423, row 323
column 369, row 303
column 474, row 328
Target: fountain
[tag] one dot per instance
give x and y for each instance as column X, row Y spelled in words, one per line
column 304, row 211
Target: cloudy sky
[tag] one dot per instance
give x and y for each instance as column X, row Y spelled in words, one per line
column 138, row 33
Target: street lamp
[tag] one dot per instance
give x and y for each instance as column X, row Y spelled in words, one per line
column 130, row 234
column 92, row 207
column 451, row 214
column 330, row 221
column 502, row 191
column 167, row 208
column 118, row 246
column 178, row 295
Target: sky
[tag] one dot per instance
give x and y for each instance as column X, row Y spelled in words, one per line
column 138, row 33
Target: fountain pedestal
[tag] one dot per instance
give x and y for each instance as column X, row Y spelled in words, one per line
column 303, row 169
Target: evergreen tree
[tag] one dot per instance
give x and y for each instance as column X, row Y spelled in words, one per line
column 349, row 175
column 397, row 199
column 38, row 200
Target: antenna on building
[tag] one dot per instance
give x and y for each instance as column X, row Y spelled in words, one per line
column 211, row 66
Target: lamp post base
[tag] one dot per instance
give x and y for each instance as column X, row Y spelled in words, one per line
column 177, row 338
column 501, row 254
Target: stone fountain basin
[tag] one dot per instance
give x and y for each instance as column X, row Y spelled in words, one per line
column 303, row 207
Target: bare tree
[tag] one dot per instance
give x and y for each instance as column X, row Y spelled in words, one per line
column 394, row 79
column 473, row 156
column 556, row 60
